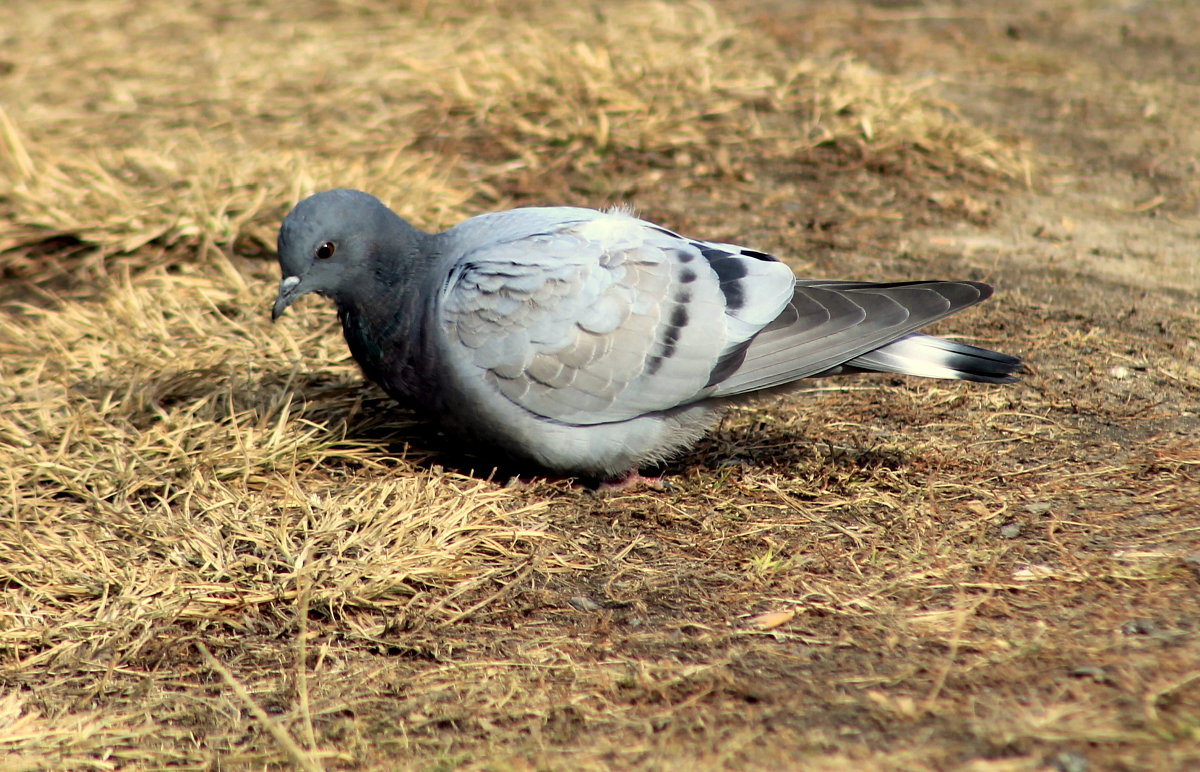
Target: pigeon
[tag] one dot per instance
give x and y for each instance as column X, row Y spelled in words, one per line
column 592, row 343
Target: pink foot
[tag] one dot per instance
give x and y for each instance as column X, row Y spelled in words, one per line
column 633, row 479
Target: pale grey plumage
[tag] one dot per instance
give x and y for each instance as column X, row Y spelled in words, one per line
column 593, row 342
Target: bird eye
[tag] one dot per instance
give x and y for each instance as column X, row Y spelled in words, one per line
column 326, row 250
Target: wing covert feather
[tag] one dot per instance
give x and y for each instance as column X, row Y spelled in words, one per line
column 603, row 319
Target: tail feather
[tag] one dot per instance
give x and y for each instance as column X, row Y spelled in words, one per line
column 932, row 357
column 835, row 327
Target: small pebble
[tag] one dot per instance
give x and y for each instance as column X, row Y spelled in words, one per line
column 1120, row 372
column 1139, row 627
column 1097, row 674
column 1068, row 761
column 1011, row 531
column 584, row 603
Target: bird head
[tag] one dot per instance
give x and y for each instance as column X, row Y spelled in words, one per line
column 327, row 244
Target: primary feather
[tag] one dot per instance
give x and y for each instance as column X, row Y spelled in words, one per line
column 594, row 342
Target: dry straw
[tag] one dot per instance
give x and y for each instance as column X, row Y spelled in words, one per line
column 181, row 477
column 426, row 107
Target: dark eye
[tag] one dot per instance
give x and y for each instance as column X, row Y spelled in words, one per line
column 326, row 250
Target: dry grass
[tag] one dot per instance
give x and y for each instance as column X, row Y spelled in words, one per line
column 220, row 550
column 428, row 107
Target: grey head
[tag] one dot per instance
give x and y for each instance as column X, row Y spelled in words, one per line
column 339, row 244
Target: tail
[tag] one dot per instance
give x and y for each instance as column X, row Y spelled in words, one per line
column 931, row 357
column 836, row 327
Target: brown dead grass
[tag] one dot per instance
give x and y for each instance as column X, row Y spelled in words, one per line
column 219, row 550
column 261, row 106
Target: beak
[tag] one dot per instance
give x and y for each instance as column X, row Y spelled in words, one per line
column 289, row 289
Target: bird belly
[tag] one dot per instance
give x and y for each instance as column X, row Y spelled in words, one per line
column 602, row 450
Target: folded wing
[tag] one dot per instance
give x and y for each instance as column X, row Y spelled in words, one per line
column 585, row 317
column 605, row 318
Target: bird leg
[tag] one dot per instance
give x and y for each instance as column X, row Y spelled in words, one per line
column 632, row 479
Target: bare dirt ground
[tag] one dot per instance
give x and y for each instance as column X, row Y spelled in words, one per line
column 223, row 551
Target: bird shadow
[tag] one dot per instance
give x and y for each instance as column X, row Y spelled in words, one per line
column 340, row 410
column 343, row 411
column 400, row 431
